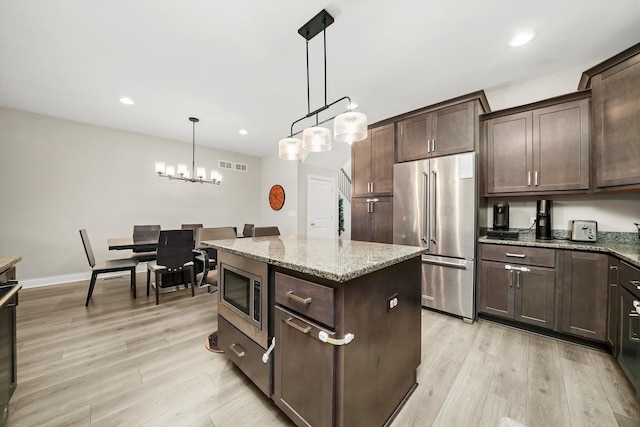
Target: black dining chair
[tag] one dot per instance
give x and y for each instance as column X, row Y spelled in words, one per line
column 174, row 256
column 109, row 266
column 266, row 231
column 145, row 233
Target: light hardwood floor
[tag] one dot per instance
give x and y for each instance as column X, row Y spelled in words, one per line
column 129, row 362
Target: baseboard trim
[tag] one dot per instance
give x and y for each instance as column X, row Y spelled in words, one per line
column 70, row 278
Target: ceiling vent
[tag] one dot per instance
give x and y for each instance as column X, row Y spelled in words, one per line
column 225, row 164
column 241, row 167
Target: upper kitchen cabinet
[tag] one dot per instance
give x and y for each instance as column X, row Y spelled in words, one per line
column 615, row 88
column 450, row 127
column 372, row 162
column 540, row 147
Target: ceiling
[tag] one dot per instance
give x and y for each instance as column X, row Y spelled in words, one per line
column 240, row 64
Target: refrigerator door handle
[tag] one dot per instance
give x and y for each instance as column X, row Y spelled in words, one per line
column 424, row 224
column 434, row 217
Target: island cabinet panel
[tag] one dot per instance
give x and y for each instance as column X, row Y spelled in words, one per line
column 584, row 294
column 616, row 121
column 613, row 307
column 307, row 298
column 441, row 132
column 372, row 219
column 372, row 162
column 361, row 382
column 518, row 283
column 544, row 149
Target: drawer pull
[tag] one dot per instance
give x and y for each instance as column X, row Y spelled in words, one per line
column 301, row 300
column 239, row 351
column 635, row 283
column 515, row 255
column 304, row 330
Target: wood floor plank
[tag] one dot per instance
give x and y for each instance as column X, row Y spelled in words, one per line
column 497, row 408
column 509, row 380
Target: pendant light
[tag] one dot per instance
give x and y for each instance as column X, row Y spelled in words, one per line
column 349, row 126
column 200, row 173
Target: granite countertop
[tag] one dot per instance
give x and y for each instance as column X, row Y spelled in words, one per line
column 8, row 261
column 628, row 252
column 332, row 259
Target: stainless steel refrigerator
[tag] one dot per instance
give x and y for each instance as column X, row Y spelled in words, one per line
column 435, row 206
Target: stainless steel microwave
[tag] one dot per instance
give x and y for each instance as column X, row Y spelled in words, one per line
column 243, row 296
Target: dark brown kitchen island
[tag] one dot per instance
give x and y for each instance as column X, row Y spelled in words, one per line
column 329, row 329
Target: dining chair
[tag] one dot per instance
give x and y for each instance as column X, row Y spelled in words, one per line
column 266, row 231
column 247, row 231
column 145, row 233
column 174, row 255
column 109, row 266
column 207, row 256
column 193, row 227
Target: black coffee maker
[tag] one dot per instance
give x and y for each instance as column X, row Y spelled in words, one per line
column 501, row 216
column 543, row 219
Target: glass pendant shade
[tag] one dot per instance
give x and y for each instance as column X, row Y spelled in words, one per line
column 215, row 176
column 160, row 168
column 316, row 139
column 201, row 173
column 290, row 149
column 182, row 169
column 350, row 127
column 171, row 170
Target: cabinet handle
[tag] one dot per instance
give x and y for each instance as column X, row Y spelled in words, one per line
column 428, row 145
column 613, row 267
column 635, row 283
column 529, row 179
column 295, row 297
column 511, row 278
column 239, row 351
column 515, row 255
column 535, row 178
column 433, row 145
column 304, row 330
column 372, row 187
column 518, row 279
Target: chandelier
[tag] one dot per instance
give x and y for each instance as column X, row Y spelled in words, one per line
column 200, row 174
column 349, row 126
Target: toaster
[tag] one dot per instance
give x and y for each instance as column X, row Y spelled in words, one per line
column 584, row 231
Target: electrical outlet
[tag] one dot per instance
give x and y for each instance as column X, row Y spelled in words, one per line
column 392, row 302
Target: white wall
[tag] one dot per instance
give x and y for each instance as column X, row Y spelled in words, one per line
column 613, row 212
column 58, row 176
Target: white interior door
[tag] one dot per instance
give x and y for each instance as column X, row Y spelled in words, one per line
column 321, row 207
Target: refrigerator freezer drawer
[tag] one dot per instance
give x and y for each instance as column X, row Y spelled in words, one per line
column 448, row 285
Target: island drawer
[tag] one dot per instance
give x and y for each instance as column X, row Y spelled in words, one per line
column 522, row 255
column 307, row 298
column 245, row 353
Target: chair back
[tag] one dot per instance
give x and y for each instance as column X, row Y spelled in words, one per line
column 266, row 231
column 214, row 233
column 145, row 233
column 87, row 247
column 247, row 231
column 193, row 227
column 175, row 249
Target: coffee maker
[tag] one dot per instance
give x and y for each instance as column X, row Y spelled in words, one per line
column 543, row 219
column 501, row 216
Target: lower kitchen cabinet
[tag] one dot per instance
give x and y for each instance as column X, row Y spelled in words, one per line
column 517, row 292
column 583, row 294
column 372, row 219
column 612, row 306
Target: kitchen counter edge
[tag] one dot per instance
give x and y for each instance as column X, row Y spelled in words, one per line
column 625, row 252
column 7, row 262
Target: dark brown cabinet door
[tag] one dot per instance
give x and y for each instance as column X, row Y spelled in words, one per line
column 561, row 147
column 372, row 219
column 612, row 307
column 535, row 297
column 496, row 290
column 509, row 153
column 584, row 294
column 414, row 134
column 453, row 130
column 372, row 162
column 616, row 127
column 303, row 371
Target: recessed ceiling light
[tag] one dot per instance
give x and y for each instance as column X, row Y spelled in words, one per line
column 521, row 38
column 242, row 132
column 127, row 101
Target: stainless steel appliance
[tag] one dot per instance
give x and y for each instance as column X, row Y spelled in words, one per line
column 434, row 206
column 244, row 296
column 584, row 231
column 501, row 216
column 543, row 219
column 629, row 355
